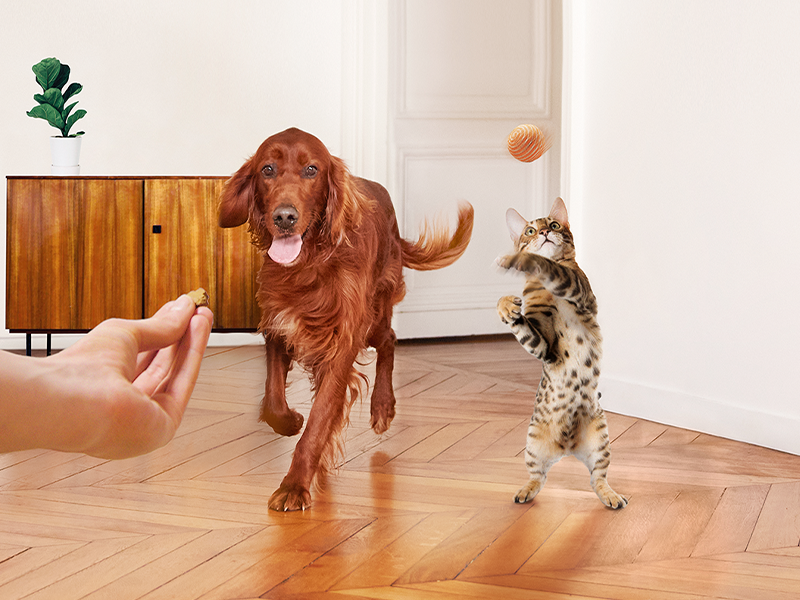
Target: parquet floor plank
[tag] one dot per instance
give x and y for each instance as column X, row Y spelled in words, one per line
column 439, row 442
column 779, row 522
column 422, row 511
column 578, row 588
column 513, row 548
column 88, row 504
column 162, row 570
column 681, row 526
column 83, row 583
column 21, row 563
column 330, row 569
column 733, row 522
column 572, row 540
column 484, row 591
column 387, row 565
column 475, row 442
column 65, row 566
column 454, row 554
column 642, row 433
column 216, row 457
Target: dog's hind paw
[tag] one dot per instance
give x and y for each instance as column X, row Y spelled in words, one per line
column 381, row 413
column 381, row 424
column 285, row 499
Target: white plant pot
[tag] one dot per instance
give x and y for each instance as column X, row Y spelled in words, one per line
column 65, row 153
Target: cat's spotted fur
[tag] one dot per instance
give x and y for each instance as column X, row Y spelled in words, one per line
column 556, row 322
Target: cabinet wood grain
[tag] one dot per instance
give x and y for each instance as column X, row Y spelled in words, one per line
column 191, row 251
column 84, row 249
column 74, row 251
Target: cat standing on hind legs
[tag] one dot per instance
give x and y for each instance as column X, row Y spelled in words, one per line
column 556, row 321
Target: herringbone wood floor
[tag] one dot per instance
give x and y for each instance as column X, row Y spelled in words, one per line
column 424, row 511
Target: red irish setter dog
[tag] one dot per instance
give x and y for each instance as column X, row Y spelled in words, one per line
column 332, row 272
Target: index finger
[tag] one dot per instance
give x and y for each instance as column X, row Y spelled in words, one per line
column 166, row 327
column 186, row 368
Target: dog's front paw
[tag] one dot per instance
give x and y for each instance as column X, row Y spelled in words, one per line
column 287, row 423
column 287, row 498
column 510, row 309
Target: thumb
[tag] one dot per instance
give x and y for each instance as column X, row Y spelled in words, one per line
column 165, row 327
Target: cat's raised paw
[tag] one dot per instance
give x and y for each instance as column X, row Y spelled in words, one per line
column 509, row 308
column 505, row 262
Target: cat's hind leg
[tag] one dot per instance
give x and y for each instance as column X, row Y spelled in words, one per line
column 593, row 451
column 538, row 459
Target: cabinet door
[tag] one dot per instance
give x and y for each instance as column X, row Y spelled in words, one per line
column 186, row 249
column 74, row 252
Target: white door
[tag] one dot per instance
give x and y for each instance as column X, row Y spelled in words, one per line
column 462, row 75
column 431, row 90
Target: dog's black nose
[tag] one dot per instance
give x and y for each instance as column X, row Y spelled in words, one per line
column 285, row 217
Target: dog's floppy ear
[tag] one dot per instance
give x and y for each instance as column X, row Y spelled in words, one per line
column 342, row 213
column 237, row 196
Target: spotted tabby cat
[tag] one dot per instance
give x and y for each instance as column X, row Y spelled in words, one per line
column 556, row 322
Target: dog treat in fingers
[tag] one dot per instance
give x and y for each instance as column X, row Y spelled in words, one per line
column 199, row 297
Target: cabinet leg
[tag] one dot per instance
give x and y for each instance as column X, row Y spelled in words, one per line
column 49, row 344
column 27, row 344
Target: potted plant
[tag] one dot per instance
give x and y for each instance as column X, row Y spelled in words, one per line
column 52, row 76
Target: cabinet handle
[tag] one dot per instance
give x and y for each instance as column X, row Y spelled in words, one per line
column 156, row 228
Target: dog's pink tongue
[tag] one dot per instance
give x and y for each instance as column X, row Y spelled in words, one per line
column 285, row 250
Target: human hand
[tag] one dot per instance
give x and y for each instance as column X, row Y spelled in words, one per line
column 119, row 392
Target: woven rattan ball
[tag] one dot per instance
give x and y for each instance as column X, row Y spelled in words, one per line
column 527, row 143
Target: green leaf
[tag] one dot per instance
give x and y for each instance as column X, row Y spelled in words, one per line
column 40, row 98
column 63, row 77
column 47, row 71
column 67, row 110
column 49, row 114
column 79, row 114
column 54, row 98
column 73, row 89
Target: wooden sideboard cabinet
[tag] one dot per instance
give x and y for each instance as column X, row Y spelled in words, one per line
column 81, row 249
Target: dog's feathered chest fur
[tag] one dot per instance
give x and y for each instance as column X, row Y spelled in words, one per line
column 326, row 302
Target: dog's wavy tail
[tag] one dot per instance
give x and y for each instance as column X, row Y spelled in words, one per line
column 436, row 248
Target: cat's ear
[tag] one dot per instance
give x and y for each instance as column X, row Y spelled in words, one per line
column 516, row 224
column 559, row 212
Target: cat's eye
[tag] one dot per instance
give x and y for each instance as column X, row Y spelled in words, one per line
column 555, row 225
column 530, row 231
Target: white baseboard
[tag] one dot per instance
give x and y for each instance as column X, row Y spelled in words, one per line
column 447, row 323
column 706, row 415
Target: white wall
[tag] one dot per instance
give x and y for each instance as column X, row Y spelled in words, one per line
column 683, row 169
column 171, row 88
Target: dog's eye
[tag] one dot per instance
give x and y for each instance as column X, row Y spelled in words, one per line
column 269, row 171
column 310, row 172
